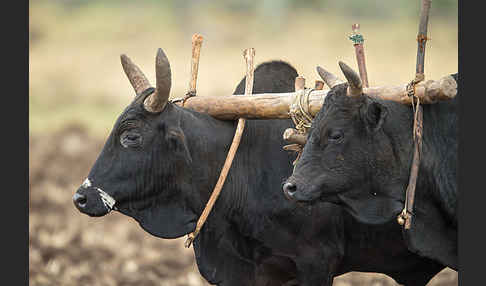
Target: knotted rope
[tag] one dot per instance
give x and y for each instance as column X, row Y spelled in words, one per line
column 299, row 111
column 188, row 95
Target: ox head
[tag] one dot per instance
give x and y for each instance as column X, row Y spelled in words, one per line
column 144, row 169
column 348, row 158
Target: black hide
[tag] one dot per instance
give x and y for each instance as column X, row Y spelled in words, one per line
column 253, row 236
column 366, row 169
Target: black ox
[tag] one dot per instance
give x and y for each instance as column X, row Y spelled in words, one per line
column 359, row 153
column 159, row 166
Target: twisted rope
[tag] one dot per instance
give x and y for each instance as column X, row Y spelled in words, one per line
column 299, row 111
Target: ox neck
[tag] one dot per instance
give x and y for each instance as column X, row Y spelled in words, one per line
column 252, row 181
column 439, row 151
column 208, row 141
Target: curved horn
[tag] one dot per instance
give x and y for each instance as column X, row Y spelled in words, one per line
column 355, row 87
column 157, row 101
column 330, row 79
column 135, row 75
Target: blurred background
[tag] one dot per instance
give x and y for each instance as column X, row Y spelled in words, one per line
column 77, row 89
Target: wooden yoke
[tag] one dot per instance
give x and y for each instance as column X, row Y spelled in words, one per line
column 277, row 105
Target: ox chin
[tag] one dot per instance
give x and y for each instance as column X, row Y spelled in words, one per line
column 312, row 197
column 330, row 198
column 305, row 197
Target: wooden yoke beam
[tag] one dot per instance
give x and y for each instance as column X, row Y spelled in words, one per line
column 276, row 105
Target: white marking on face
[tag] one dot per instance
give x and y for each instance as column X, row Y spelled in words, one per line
column 86, row 183
column 107, row 199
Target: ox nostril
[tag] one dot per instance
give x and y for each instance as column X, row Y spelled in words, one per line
column 79, row 200
column 289, row 188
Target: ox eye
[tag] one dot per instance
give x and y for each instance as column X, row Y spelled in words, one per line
column 335, row 135
column 130, row 138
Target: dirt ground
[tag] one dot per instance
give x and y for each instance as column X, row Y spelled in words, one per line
column 68, row 248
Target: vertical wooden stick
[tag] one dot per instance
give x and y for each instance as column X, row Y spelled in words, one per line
column 196, row 52
column 358, row 40
column 405, row 218
column 299, row 83
column 248, row 54
column 412, row 183
column 422, row 36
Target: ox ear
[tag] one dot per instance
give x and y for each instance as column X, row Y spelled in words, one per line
column 374, row 115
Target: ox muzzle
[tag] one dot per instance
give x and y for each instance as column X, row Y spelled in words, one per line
column 299, row 190
column 92, row 200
